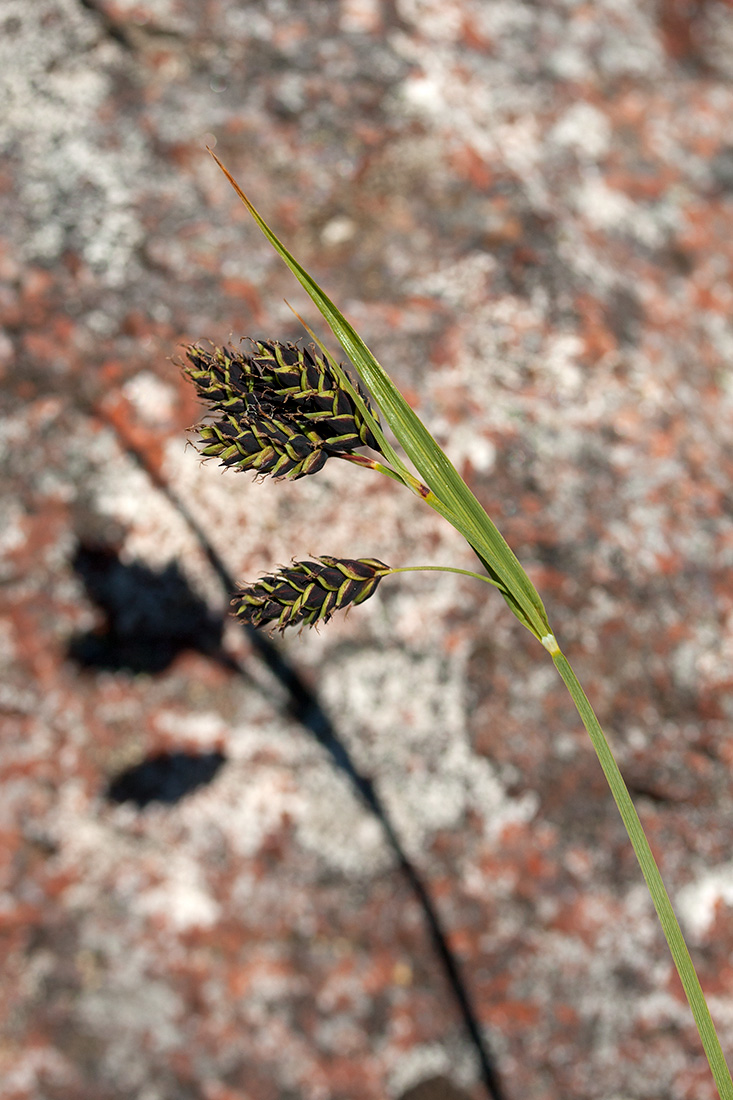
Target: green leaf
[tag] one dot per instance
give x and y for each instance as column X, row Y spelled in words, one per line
column 454, row 499
column 654, row 881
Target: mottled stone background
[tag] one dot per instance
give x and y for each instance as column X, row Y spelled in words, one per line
column 527, row 210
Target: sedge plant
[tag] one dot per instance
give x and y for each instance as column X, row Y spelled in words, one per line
column 283, row 410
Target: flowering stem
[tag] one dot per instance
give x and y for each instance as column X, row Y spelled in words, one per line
column 371, row 464
column 443, row 569
column 404, row 477
column 657, row 889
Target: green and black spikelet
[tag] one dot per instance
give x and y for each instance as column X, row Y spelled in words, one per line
column 308, row 592
column 281, row 410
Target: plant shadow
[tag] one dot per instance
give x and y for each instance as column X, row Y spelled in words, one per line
column 148, row 618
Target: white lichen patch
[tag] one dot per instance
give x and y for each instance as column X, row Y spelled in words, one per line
column 583, row 129
column 336, row 826
column 152, row 398
column 437, row 19
column 52, row 104
column 38, row 1066
column 360, row 16
column 407, row 1068
column 698, row 901
column 338, row 231
column 252, row 802
column 611, row 210
column 464, row 446
column 460, row 283
column 404, row 719
column 204, row 728
column 181, row 898
column 132, row 1009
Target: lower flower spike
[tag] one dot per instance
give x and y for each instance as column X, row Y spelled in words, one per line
column 308, row 592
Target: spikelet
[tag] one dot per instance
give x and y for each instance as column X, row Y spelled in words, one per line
column 308, row 592
column 263, row 443
column 281, row 410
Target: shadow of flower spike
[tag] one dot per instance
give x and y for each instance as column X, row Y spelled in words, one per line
column 150, row 616
column 166, row 777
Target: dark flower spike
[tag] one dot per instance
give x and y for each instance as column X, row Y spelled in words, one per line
column 282, row 388
column 308, row 592
column 262, row 443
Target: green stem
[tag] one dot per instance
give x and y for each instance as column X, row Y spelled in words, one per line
column 371, row 464
column 660, row 897
column 443, row 569
column 402, row 474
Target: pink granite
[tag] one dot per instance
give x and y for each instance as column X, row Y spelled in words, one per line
column 527, row 210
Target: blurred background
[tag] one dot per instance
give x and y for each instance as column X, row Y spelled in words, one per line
column 378, row 861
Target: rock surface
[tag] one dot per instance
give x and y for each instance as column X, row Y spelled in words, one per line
column 527, row 210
